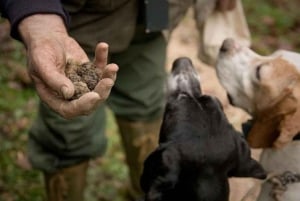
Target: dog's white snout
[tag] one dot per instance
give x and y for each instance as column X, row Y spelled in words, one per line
column 184, row 77
column 179, row 82
column 228, row 45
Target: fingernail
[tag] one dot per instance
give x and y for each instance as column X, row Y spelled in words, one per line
column 65, row 92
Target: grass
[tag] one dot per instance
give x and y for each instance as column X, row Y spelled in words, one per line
column 18, row 107
column 274, row 24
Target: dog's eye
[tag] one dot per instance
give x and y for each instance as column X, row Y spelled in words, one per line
column 257, row 73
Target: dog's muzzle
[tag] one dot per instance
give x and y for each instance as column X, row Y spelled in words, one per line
column 228, row 45
column 184, row 78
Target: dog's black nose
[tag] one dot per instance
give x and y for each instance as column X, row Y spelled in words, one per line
column 227, row 45
column 182, row 64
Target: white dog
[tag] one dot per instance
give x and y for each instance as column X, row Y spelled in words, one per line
column 268, row 88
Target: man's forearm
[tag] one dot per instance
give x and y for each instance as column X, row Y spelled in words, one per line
column 15, row 11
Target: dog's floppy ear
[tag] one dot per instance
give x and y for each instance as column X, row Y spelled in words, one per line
column 263, row 133
column 265, row 128
column 161, row 171
column 245, row 165
column 289, row 127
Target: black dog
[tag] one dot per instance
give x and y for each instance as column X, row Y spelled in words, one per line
column 198, row 148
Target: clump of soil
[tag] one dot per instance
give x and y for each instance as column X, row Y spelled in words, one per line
column 84, row 77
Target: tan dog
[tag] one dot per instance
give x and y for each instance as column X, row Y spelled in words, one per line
column 268, row 88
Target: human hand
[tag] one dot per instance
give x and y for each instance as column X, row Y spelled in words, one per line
column 48, row 49
column 225, row 5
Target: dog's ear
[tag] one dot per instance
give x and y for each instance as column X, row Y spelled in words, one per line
column 284, row 103
column 266, row 125
column 246, row 166
column 278, row 79
column 161, row 171
column 263, row 133
column 289, row 127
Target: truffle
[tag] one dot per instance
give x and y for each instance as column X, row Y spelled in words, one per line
column 83, row 75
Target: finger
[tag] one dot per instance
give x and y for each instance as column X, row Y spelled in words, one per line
column 47, row 66
column 85, row 105
column 52, row 99
column 48, row 96
column 103, row 88
column 110, row 71
column 49, row 71
column 56, row 81
column 101, row 55
column 82, row 106
column 89, row 101
column 69, row 109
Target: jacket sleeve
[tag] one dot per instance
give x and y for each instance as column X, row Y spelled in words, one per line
column 16, row 10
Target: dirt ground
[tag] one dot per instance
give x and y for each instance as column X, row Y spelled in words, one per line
column 184, row 41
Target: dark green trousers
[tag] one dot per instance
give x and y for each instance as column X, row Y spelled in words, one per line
column 138, row 95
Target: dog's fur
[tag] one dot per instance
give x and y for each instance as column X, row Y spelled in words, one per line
column 268, row 88
column 198, row 148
